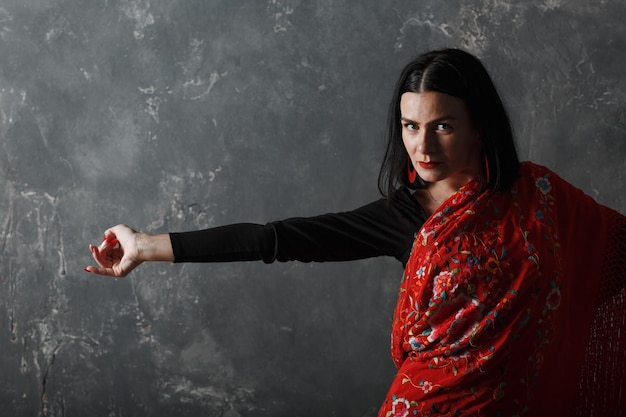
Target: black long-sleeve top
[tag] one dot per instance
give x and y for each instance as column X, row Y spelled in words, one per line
column 376, row 229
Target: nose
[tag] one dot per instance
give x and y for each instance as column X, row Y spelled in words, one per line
column 426, row 142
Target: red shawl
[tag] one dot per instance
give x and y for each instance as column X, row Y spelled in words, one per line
column 513, row 304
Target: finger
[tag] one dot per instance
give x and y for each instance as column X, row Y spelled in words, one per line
column 109, row 272
column 109, row 243
column 105, row 253
column 109, row 234
column 102, row 261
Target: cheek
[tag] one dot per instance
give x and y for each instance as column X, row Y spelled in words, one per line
column 407, row 145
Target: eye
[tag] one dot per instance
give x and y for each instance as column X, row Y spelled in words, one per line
column 411, row 127
column 444, row 127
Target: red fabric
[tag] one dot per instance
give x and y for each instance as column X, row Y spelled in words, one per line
column 499, row 301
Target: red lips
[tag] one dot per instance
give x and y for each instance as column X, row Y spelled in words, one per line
column 429, row 165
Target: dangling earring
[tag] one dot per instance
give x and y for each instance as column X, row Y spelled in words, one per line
column 411, row 171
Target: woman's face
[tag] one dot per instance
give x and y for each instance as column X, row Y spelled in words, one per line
column 440, row 138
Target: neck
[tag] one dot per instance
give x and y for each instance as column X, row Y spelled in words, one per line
column 436, row 200
column 440, row 191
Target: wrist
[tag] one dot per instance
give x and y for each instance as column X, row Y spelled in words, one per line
column 154, row 247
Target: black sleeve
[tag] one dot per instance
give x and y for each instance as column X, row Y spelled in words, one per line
column 377, row 229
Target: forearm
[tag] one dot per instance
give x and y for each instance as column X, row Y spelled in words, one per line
column 235, row 242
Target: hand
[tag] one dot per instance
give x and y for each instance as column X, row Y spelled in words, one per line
column 118, row 254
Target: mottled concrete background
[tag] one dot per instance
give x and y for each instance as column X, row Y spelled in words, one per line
column 172, row 115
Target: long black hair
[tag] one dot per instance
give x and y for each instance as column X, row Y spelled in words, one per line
column 461, row 75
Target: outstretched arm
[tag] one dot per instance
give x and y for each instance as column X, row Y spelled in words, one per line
column 123, row 249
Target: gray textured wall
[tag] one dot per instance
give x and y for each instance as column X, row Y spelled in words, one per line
column 172, row 115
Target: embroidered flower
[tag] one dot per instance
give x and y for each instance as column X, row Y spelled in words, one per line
column 444, row 285
column 493, row 265
column 421, row 271
column 415, row 345
column 472, row 260
column 544, row 185
column 539, row 215
column 427, row 386
column 554, row 299
column 426, row 233
column 498, row 392
column 400, row 408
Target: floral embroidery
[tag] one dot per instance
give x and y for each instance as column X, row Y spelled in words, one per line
column 427, row 386
column 544, row 184
column 415, row 345
column 493, row 265
column 498, row 392
column 554, row 299
column 444, row 284
column 459, row 308
column 400, row 408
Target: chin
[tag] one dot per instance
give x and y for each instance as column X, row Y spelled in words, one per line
column 430, row 176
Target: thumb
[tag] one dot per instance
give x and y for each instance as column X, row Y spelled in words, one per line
column 125, row 266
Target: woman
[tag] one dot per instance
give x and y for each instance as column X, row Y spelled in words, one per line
column 509, row 274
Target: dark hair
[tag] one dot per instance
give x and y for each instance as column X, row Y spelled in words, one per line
column 461, row 75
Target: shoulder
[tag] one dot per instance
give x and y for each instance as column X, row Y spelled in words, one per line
column 541, row 175
column 528, row 168
column 405, row 203
column 405, row 197
column 550, row 184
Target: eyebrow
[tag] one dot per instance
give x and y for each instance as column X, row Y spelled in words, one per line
column 437, row 120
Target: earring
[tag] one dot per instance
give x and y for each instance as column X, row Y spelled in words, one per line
column 411, row 171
